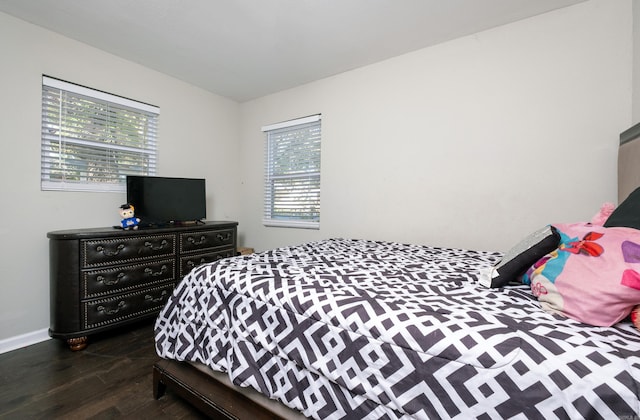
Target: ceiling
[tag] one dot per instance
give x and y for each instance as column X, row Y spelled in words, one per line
column 245, row 49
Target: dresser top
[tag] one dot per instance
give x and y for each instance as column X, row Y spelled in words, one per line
column 116, row 231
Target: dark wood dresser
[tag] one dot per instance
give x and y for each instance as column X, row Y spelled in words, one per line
column 103, row 278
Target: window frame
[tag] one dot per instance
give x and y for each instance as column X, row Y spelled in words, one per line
column 57, row 133
column 311, row 177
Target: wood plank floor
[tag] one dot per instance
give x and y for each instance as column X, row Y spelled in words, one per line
column 110, row 379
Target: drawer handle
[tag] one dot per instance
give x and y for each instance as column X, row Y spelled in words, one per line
column 108, row 253
column 222, row 237
column 150, row 298
column 225, row 255
column 108, row 311
column 149, row 271
column 156, row 248
column 202, row 240
column 192, row 264
column 107, row 282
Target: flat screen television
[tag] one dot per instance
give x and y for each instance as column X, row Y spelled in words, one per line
column 161, row 201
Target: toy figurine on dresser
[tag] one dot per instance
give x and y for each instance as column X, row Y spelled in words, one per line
column 129, row 221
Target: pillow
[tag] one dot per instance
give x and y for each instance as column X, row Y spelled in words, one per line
column 628, row 212
column 519, row 258
column 593, row 276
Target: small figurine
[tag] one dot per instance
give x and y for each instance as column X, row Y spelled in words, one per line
column 129, row 221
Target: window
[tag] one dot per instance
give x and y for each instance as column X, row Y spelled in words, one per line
column 91, row 140
column 292, row 174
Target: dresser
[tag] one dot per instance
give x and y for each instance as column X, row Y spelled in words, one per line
column 104, row 278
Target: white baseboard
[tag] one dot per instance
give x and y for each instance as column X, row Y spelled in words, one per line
column 24, row 340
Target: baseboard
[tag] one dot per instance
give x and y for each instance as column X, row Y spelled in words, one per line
column 24, row 340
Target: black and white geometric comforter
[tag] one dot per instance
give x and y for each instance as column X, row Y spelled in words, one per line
column 352, row 329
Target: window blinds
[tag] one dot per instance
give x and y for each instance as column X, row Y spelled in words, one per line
column 292, row 173
column 91, row 140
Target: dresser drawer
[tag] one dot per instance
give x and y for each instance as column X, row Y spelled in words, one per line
column 101, row 252
column 103, row 278
column 101, row 312
column 199, row 241
column 98, row 283
column 188, row 263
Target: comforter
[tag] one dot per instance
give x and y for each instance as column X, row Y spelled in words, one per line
column 355, row 329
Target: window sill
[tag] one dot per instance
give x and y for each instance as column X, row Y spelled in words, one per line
column 298, row 224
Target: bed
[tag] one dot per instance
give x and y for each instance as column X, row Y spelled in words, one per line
column 355, row 329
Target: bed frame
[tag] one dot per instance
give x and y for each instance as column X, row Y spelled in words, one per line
column 214, row 394
column 628, row 158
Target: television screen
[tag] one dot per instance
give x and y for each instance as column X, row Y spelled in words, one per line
column 160, row 201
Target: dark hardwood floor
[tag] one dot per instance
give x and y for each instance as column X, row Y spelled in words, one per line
column 111, row 378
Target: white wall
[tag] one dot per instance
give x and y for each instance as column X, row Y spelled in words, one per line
column 472, row 143
column 198, row 137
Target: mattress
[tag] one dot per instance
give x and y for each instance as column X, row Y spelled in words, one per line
column 343, row 329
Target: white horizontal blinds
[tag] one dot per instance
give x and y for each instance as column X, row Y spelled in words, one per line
column 292, row 173
column 91, row 140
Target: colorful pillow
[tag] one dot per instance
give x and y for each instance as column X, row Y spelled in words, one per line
column 519, row 258
column 628, row 212
column 593, row 276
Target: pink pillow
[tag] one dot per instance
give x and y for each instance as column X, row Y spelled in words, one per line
column 593, row 276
